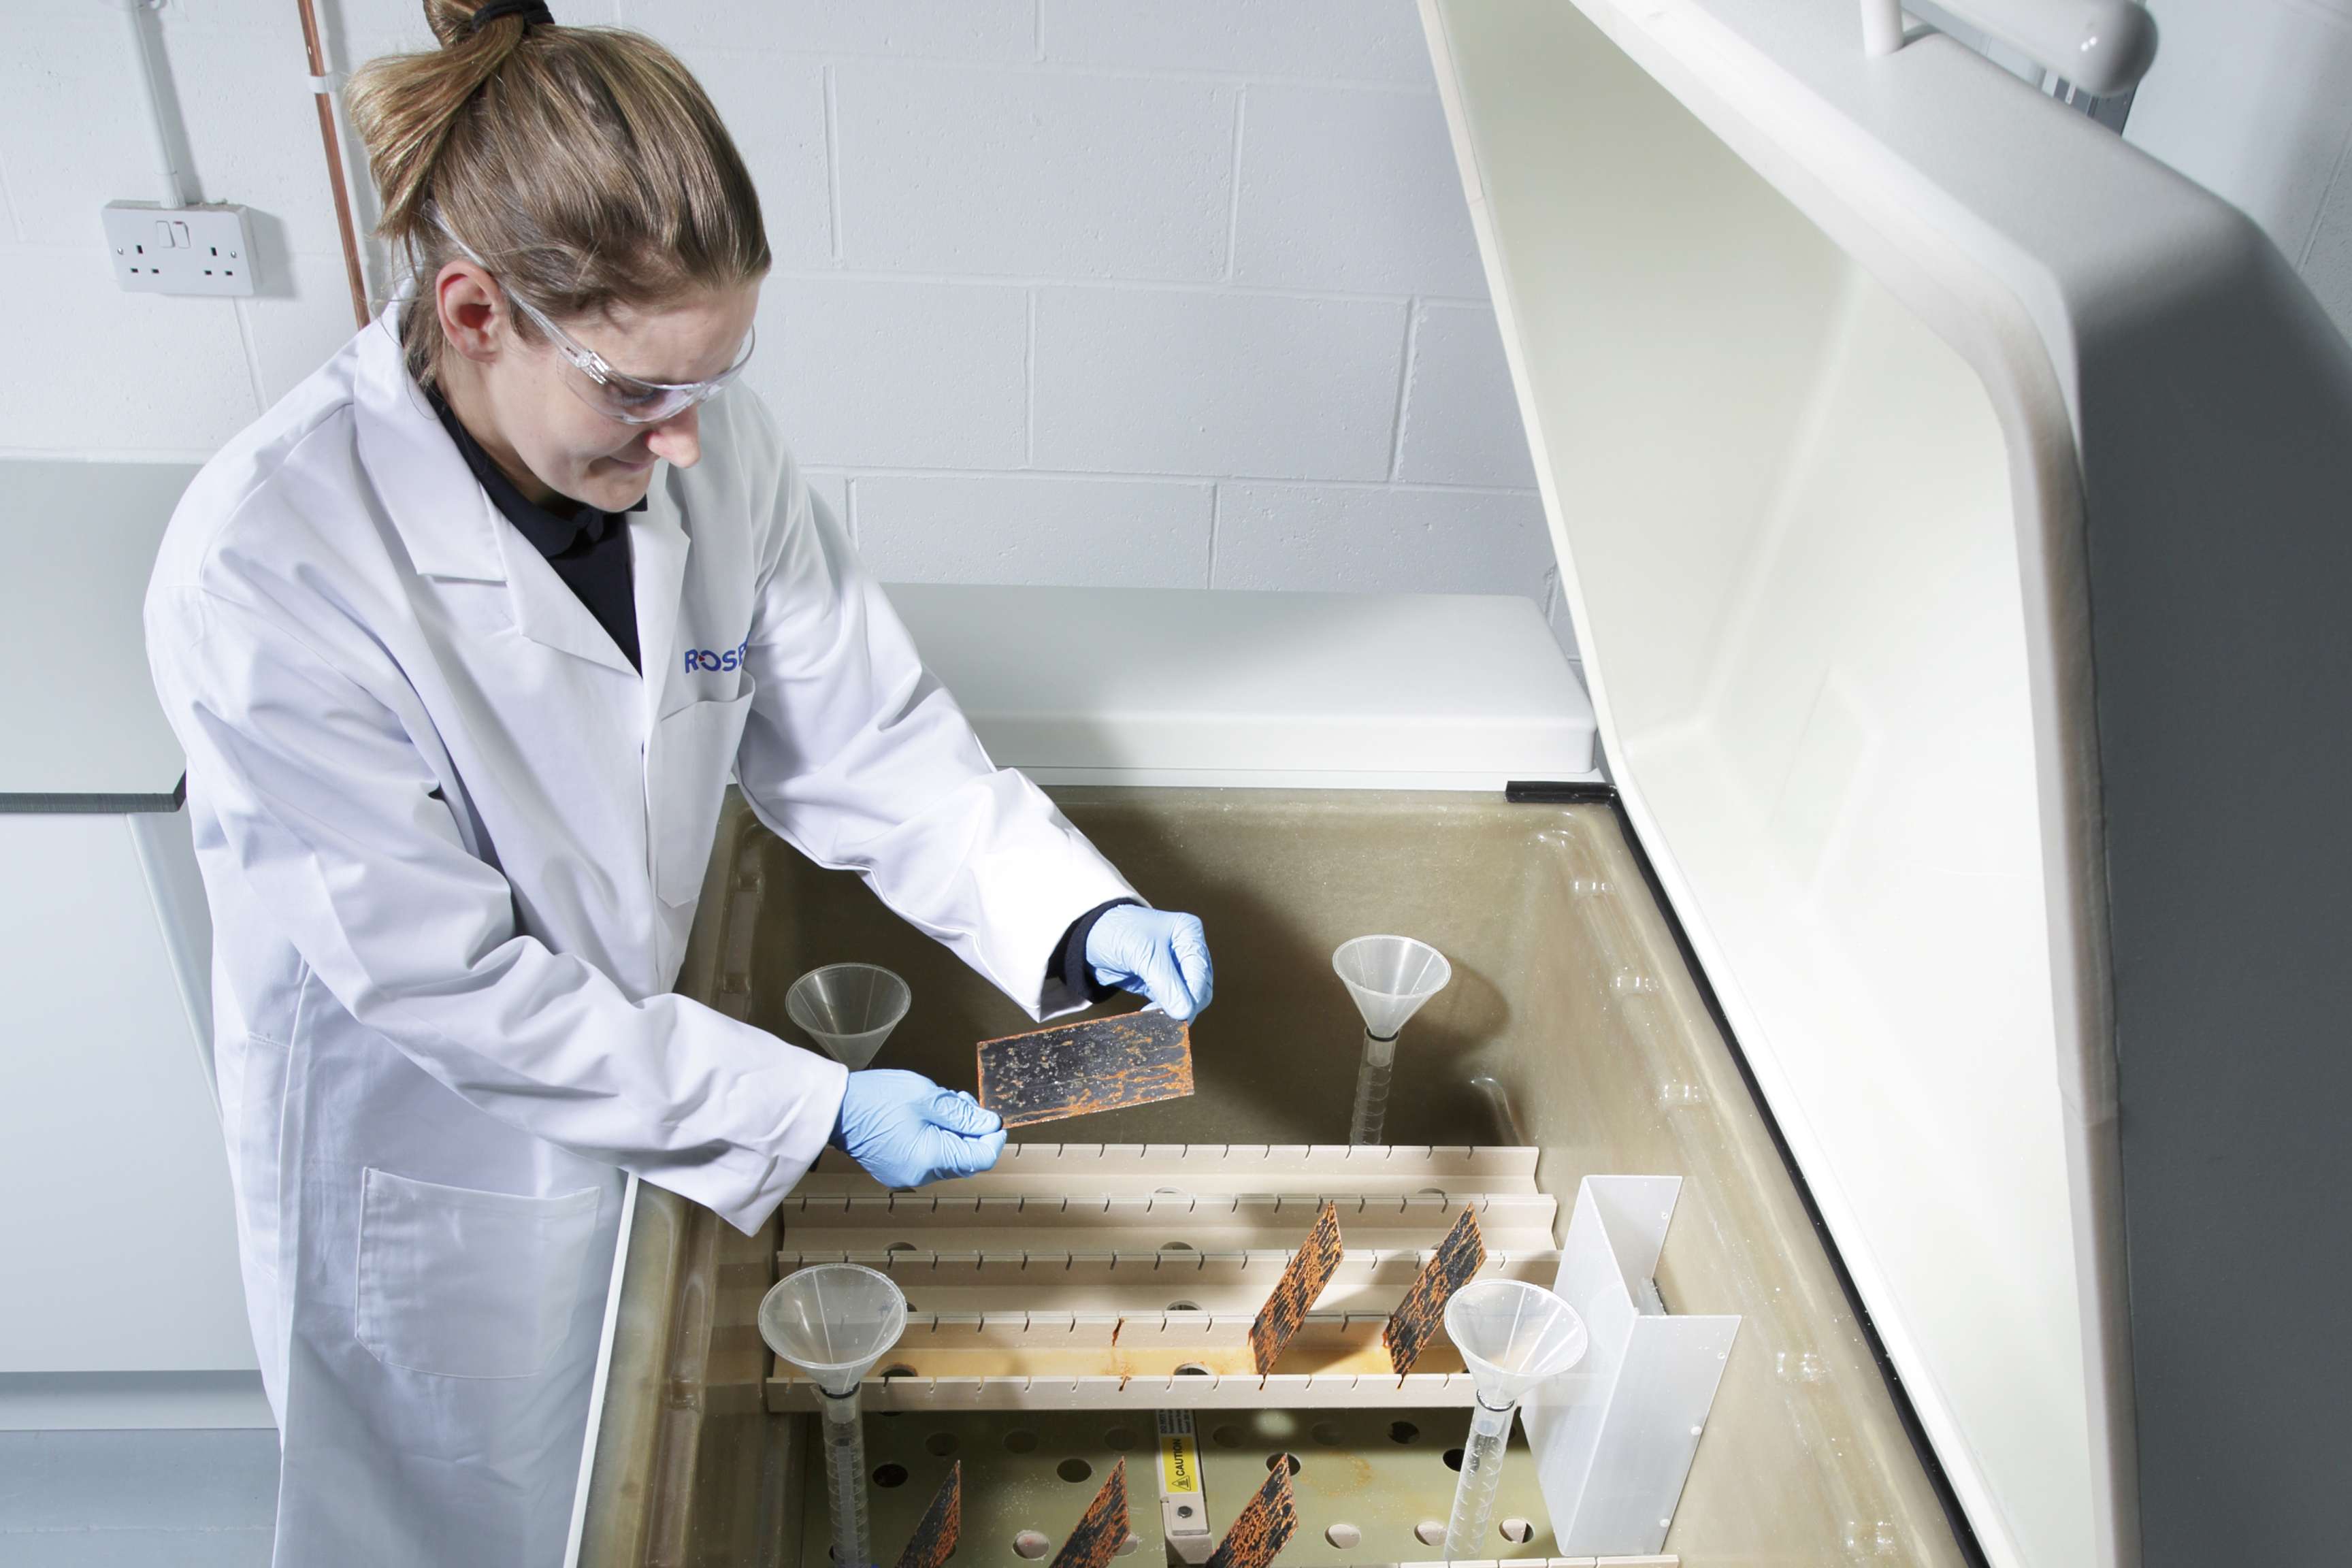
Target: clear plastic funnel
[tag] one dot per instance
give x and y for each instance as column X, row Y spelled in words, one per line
column 849, row 1010
column 1512, row 1335
column 1389, row 977
column 833, row 1321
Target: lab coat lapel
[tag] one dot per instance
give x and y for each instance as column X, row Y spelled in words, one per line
column 444, row 521
column 444, row 518
column 658, row 546
column 546, row 610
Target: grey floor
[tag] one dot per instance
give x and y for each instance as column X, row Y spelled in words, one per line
column 137, row 1500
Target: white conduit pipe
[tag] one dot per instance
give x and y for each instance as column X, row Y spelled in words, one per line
column 179, row 190
column 2103, row 46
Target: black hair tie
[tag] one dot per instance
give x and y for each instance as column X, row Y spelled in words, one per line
column 534, row 14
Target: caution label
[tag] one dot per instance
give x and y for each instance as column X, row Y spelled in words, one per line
column 1180, row 1452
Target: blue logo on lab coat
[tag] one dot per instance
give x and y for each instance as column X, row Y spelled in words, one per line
column 706, row 658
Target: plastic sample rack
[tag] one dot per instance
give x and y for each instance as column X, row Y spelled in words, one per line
column 1126, row 1276
column 1061, row 1303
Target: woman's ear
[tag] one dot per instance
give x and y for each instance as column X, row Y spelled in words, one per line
column 473, row 312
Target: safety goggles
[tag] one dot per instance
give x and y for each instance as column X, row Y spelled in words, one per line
column 630, row 399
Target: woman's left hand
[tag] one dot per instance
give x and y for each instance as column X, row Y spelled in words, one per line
column 1154, row 953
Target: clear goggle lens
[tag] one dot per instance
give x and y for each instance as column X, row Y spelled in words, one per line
column 627, row 398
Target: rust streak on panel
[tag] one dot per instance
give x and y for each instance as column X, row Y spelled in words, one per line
column 936, row 1532
column 1418, row 1316
column 1264, row 1527
column 1102, row 1529
column 1303, row 1280
column 1075, row 1069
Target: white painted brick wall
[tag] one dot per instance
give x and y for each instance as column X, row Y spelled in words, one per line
column 896, row 372
column 1032, row 173
column 1033, row 528
column 2253, row 99
column 1110, row 291
column 1369, row 537
column 1002, row 30
column 1337, row 40
column 1461, row 423
column 1322, row 167
column 775, row 106
column 1207, row 382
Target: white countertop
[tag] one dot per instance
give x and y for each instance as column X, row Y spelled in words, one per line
column 1221, row 687
column 1073, row 685
column 83, row 728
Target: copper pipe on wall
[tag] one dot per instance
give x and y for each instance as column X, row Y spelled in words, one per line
column 325, row 99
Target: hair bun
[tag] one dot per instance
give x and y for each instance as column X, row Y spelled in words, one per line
column 454, row 22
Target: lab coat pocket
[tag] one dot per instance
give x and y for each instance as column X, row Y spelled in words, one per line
column 458, row 1283
column 694, row 748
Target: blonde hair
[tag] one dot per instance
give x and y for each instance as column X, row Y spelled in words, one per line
column 585, row 166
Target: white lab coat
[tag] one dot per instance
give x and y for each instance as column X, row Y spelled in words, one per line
column 452, row 844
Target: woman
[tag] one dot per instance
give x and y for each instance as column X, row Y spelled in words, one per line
column 463, row 640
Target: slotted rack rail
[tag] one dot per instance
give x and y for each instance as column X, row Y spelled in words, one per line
column 1126, row 1276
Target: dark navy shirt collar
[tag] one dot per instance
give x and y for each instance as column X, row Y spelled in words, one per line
column 551, row 531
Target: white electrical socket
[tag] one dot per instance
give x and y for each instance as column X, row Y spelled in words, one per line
column 179, row 251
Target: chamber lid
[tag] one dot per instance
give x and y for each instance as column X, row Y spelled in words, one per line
column 1798, row 334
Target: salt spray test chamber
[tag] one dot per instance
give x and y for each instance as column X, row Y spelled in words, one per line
column 1881, row 409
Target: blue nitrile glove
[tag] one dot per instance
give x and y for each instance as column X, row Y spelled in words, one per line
column 1153, row 954
column 905, row 1129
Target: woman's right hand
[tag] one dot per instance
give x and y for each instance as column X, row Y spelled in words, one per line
column 906, row 1131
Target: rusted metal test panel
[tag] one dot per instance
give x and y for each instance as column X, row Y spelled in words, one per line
column 1418, row 1316
column 1102, row 1529
column 1074, row 1069
column 1264, row 1527
column 936, row 1532
column 1303, row 1280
